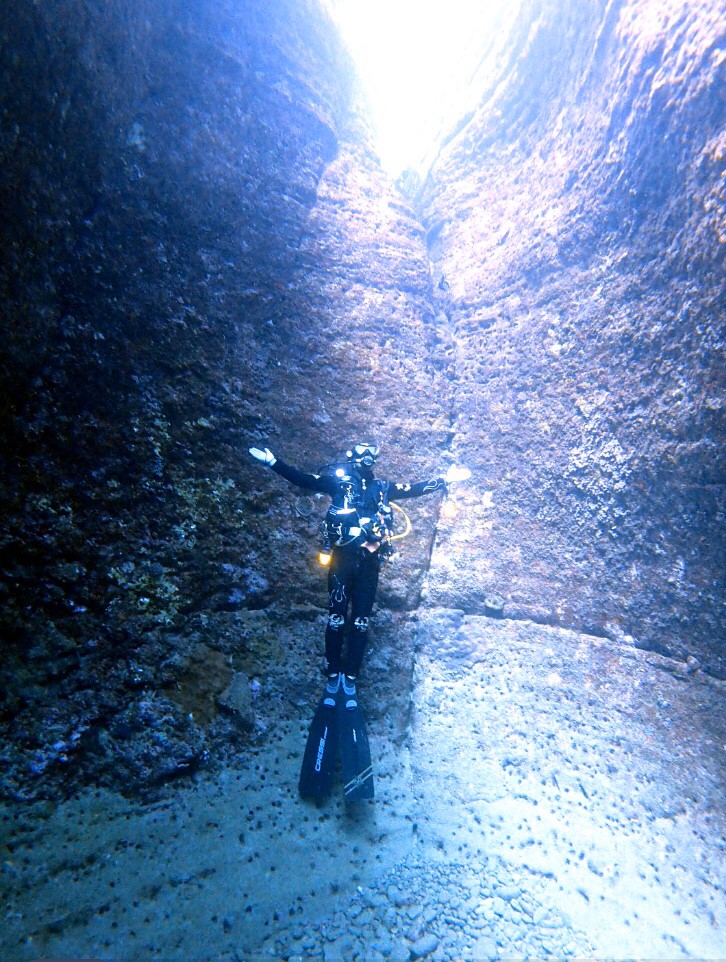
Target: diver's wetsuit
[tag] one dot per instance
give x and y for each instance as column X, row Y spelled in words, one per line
column 353, row 571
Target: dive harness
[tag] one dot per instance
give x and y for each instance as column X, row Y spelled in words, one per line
column 366, row 531
column 349, row 523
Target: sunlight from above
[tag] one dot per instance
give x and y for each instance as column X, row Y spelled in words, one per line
column 415, row 59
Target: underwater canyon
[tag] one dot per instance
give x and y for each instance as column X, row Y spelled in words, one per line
column 202, row 252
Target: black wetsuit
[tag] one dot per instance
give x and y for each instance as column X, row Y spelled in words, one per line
column 353, row 571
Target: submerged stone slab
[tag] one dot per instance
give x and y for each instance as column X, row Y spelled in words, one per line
column 585, row 764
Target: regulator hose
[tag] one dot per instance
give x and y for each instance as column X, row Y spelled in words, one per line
column 403, row 534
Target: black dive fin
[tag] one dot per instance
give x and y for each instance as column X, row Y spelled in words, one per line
column 321, row 752
column 355, row 753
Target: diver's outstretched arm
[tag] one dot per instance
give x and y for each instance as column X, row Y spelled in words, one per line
column 399, row 491
column 311, row 482
column 428, row 487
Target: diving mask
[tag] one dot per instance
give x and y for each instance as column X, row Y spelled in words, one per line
column 364, row 453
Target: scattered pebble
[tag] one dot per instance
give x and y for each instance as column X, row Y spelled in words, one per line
column 424, row 946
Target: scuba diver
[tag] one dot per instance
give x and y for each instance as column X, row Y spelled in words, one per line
column 357, row 538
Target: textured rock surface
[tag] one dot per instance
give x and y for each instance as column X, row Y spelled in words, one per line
column 200, row 253
column 560, row 799
column 575, row 222
column 586, row 764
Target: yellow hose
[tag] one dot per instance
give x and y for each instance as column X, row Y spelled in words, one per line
column 397, row 537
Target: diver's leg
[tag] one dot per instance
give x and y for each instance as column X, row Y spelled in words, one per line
column 362, row 597
column 339, row 592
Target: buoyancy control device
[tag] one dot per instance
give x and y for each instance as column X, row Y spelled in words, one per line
column 360, row 513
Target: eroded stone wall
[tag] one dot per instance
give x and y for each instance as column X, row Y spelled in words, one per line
column 199, row 253
column 202, row 253
column 575, row 222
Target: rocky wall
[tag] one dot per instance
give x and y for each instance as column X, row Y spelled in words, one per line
column 200, row 253
column 575, row 223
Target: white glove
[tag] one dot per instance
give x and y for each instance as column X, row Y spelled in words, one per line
column 457, row 474
column 266, row 456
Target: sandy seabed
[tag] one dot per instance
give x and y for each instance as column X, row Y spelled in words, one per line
column 557, row 795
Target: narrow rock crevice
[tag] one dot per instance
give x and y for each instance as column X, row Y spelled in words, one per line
column 201, row 252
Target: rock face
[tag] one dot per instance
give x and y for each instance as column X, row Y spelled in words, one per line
column 200, row 253
column 575, row 223
column 571, row 758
